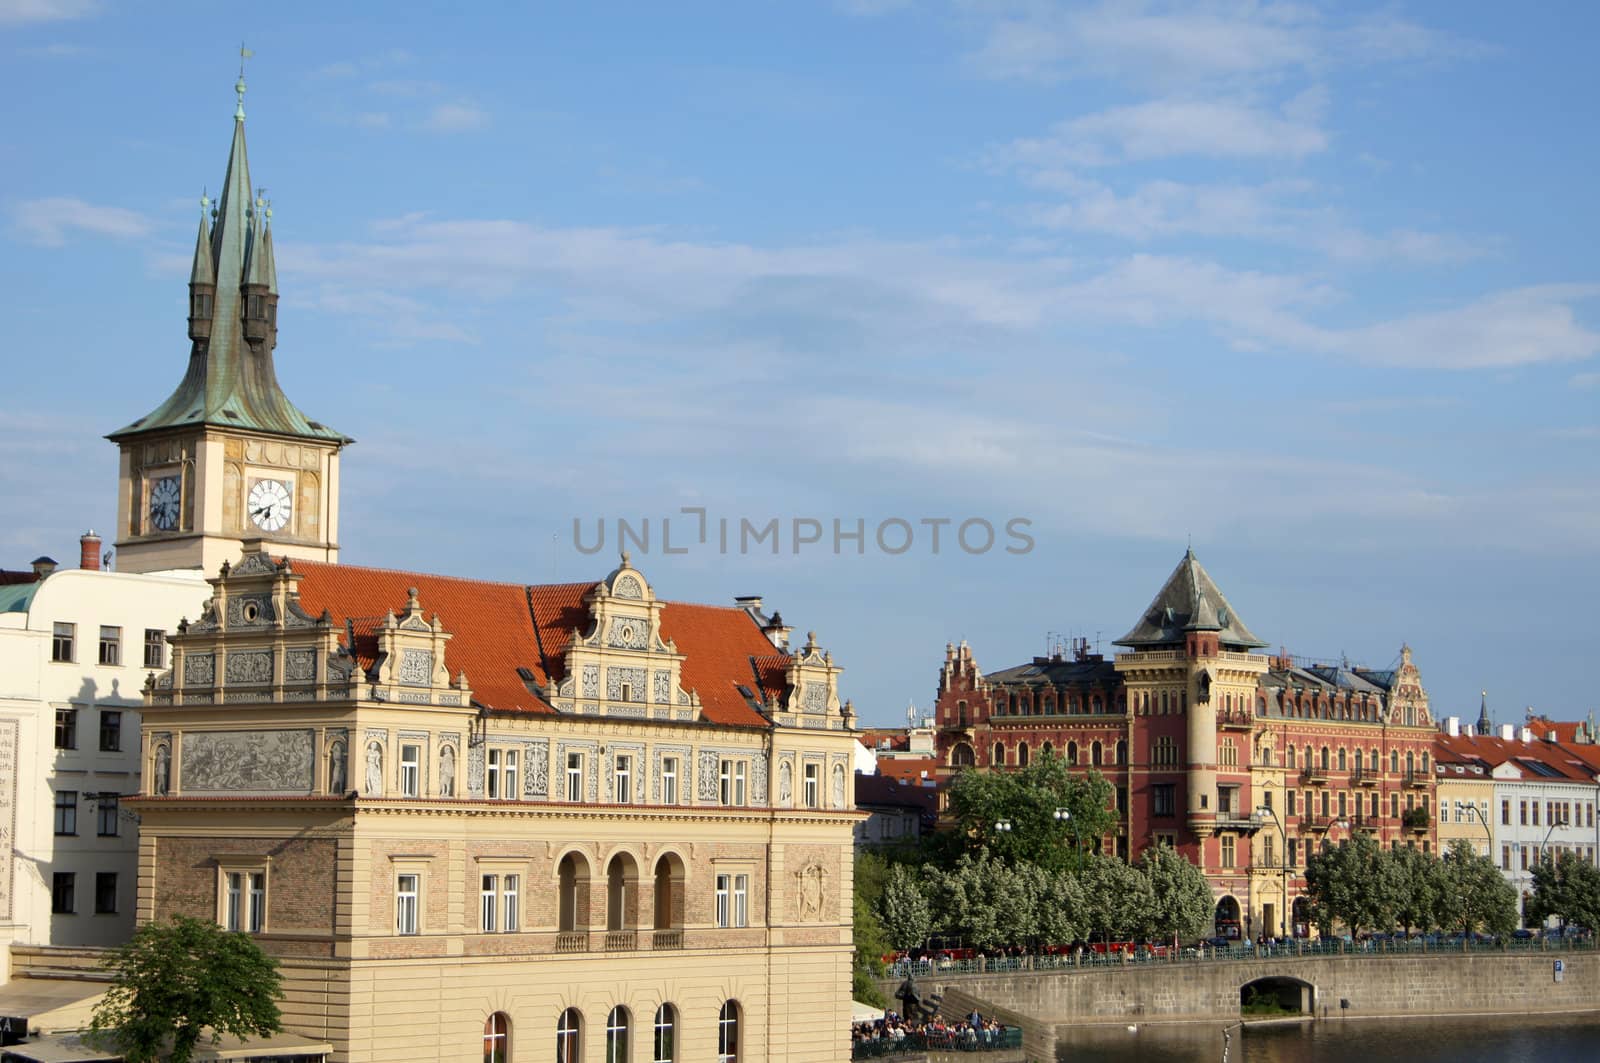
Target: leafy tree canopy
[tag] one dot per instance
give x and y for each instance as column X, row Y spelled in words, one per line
column 1028, row 800
column 177, row 980
column 1180, row 899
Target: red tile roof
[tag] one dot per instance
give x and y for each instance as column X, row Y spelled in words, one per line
column 1492, row 752
column 908, row 768
column 500, row 627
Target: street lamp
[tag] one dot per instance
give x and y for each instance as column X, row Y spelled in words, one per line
column 1283, row 854
column 1064, row 815
column 1474, row 812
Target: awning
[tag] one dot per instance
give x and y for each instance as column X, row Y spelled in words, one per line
column 860, row 1012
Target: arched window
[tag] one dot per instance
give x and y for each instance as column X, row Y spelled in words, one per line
column 1372, row 762
column 1324, row 758
column 728, row 1033
column 1288, row 753
column 961, row 756
column 569, row 1036
column 669, row 892
column 572, row 894
column 1022, row 755
column 999, row 760
column 1049, row 749
column 1094, row 703
column 1049, row 704
column 1309, row 762
column 961, row 714
column 1424, row 763
column 617, row 1035
column 1072, row 753
column 666, row 1035
column 1122, row 751
column 1411, row 762
column 497, row 1038
column 1394, row 761
column 1096, row 754
column 622, row 893
column 1341, row 758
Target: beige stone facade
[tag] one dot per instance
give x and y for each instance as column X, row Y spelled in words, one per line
column 425, row 863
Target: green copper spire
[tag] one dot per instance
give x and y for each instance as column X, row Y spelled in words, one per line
column 203, row 271
column 230, row 381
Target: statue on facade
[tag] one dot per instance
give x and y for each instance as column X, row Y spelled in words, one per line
column 447, row 771
column 785, row 783
column 374, row 770
column 163, row 770
column 336, row 768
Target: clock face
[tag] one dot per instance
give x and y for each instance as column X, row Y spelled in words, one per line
column 164, row 497
column 269, row 505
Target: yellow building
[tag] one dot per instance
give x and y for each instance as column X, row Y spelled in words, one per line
column 472, row 820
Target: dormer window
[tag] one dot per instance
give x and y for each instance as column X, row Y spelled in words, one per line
column 201, row 304
column 255, row 307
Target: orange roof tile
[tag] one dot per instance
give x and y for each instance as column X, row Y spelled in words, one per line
column 908, row 768
column 500, row 627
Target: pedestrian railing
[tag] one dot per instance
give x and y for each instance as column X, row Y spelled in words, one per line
column 954, row 1040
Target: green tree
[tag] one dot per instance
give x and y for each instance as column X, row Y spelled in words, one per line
column 1353, row 884
column 1180, row 900
column 1118, row 902
column 177, row 981
column 1028, row 800
column 906, row 915
column 1474, row 894
column 871, row 943
column 1567, row 887
column 1418, row 883
column 1061, row 909
column 988, row 902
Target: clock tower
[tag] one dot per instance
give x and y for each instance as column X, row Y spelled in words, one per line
column 227, row 457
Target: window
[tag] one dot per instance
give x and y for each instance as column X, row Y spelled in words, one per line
column 66, row 728
column 110, row 645
column 107, row 816
column 1523, row 811
column 724, row 889
column 1227, row 850
column 1229, row 754
column 1288, row 801
column 155, row 647
column 410, row 770
column 1161, row 799
column 731, row 782
column 813, row 785
column 63, row 893
column 568, row 1030
column 497, row 1038
column 1022, row 755
column 624, row 779
column 617, row 1035
column 1291, row 846
column 741, row 900
column 510, row 904
column 503, row 773
column 489, row 901
column 574, row 777
column 1524, row 857
column 666, row 1028
column 66, row 811
column 245, row 900
column 669, row 780
column 61, row 641
column 1166, row 751
column 1505, row 812
column 405, row 904
column 728, row 1033
column 110, row 731
column 1268, row 858
column 105, row 893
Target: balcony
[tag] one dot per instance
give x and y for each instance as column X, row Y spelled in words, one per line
column 1417, row 780
column 661, row 940
column 572, row 941
column 1364, row 778
column 1314, row 777
column 1236, row 823
column 1235, row 720
column 622, row 940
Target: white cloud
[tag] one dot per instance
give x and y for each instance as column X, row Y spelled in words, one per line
column 1521, row 327
column 21, row 12
column 455, row 118
column 49, row 222
column 1159, row 129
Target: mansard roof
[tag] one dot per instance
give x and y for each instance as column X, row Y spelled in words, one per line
column 1057, row 671
column 1189, row 601
column 501, row 628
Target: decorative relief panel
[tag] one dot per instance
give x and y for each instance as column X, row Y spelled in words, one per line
column 629, row 633
column 252, row 667
column 199, row 669
column 475, row 770
column 811, row 893
column 816, row 698
column 416, row 667
column 758, row 779
column 536, row 768
column 616, row 677
column 707, row 793
column 300, row 666
column 628, row 587
column 684, row 788
column 661, row 688
column 232, row 761
column 633, row 750
column 250, row 611
column 591, row 680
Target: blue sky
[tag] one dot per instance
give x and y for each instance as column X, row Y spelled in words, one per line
column 1311, row 285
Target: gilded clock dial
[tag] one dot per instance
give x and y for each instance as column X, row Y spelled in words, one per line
column 164, row 498
column 269, row 505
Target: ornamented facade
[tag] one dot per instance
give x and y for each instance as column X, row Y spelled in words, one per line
column 1243, row 761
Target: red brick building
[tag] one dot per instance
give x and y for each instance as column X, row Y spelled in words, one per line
column 1197, row 730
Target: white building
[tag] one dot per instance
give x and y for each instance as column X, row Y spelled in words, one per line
column 75, row 648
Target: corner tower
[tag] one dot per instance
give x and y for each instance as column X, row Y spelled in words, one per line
column 1190, row 657
column 227, row 457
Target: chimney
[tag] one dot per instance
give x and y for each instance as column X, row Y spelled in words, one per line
column 1527, row 734
column 43, row 566
column 1508, row 733
column 1452, row 726
column 89, row 547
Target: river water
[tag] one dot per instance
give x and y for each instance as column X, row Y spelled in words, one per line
column 1530, row 1039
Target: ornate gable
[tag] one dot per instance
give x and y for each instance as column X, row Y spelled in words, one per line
column 812, row 695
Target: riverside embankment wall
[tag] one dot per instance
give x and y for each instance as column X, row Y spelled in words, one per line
column 1432, row 983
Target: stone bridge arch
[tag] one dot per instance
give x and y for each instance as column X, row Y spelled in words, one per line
column 1277, row 992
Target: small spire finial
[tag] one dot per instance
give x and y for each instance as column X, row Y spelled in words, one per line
column 238, row 86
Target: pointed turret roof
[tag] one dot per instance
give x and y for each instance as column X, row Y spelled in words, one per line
column 228, row 384
column 203, row 271
column 1485, row 725
column 1189, row 601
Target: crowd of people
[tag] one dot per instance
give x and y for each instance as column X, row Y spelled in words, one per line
column 893, row 1031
